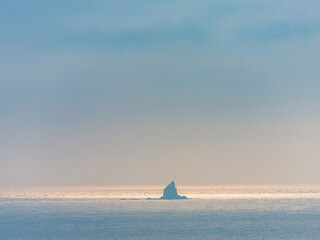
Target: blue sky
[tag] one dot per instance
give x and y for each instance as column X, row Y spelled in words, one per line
column 115, row 92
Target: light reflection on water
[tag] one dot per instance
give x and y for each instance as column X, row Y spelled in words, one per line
column 212, row 212
column 143, row 192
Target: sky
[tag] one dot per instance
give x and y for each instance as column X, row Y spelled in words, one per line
column 123, row 92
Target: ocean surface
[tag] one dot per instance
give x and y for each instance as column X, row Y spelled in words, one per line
column 212, row 212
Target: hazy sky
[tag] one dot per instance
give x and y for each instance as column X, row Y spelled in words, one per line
column 113, row 92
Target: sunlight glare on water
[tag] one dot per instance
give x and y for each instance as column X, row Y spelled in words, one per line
column 142, row 192
column 122, row 213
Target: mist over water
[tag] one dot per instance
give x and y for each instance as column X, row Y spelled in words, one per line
column 124, row 92
column 212, row 212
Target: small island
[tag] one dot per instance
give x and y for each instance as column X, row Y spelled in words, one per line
column 170, row 192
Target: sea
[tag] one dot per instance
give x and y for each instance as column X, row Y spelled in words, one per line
column 125, row 212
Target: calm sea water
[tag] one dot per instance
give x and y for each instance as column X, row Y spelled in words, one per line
column 213, row 212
